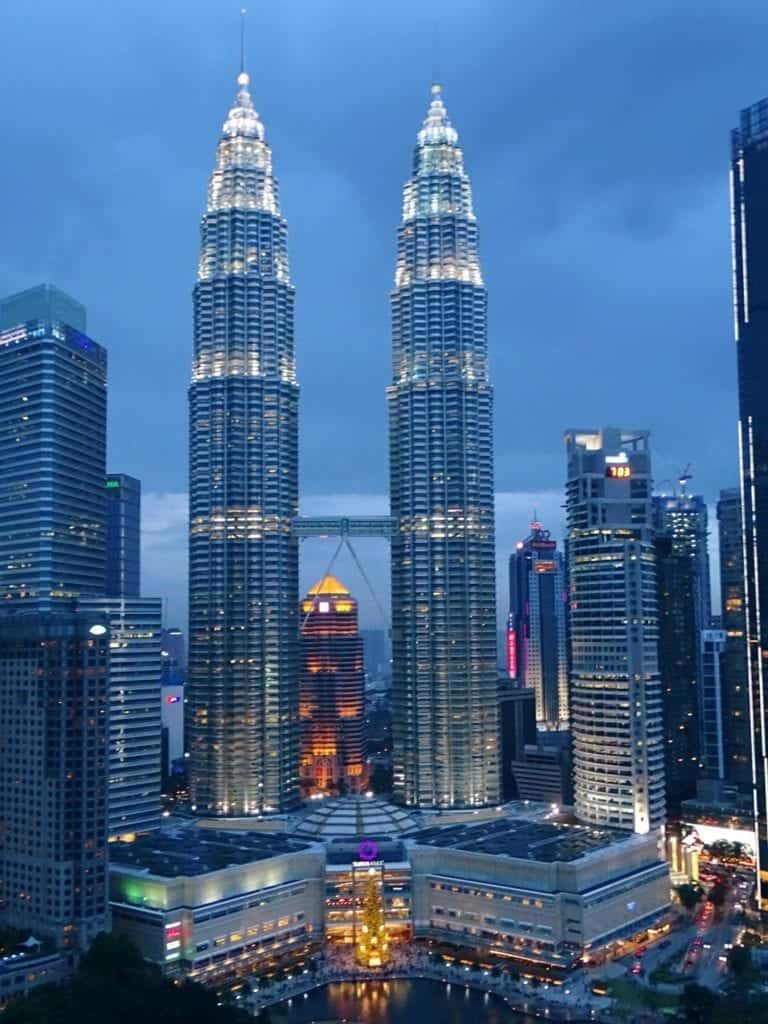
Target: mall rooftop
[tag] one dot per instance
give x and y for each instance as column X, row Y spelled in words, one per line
column 192, row 851
column 522, row 839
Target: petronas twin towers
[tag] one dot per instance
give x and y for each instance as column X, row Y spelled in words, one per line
column 242, row 693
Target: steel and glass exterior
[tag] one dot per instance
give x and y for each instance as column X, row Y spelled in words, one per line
column 682, row 571
column 54, row 693
column 536, row 629
column 445, row 726
column 53, row 394
column 123, row 508
column 616, row 709
column 749, row 229
column 135, row 711
column 243, row 585
column 736, row 728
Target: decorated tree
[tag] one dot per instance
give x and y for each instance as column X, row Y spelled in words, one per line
column 372, row 944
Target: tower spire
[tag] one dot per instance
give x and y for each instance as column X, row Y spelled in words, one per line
column 242, row 78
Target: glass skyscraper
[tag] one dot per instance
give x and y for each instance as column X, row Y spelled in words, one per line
column 749, row 228
column 445, row 724
column 682, row 572
column 616, row 709
column 737, row 737
column 242, row 686
column 536, row 631
column 53, row 395
column 123, row 494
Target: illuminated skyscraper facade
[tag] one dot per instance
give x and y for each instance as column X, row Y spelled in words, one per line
column 682, row 573
column 749, row 226
column 736, row 732
column 536, row 631
column 242, row 689
column 616, row 709
column 53, row 420
column 445, row 723
column 332, row 690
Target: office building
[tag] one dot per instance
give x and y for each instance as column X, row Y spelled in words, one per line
column 135, row 725
column 682, row 571
column 714, row 644
column 445, row 726
column 738, row 741
column 749, row 229
column 331, row 691
column 616, row 712
column 53, row 446
column 54, row 678
column 242, row 688
column 123, row 578
column 536, row 632
column 517, row 729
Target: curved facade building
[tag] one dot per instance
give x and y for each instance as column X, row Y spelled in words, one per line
column 445, row 727
column 243, row 652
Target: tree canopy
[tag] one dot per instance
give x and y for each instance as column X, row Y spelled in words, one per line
column 116, row 986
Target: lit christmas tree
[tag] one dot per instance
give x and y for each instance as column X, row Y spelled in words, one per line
column 372, row 945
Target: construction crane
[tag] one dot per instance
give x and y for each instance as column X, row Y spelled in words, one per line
column 683, row 479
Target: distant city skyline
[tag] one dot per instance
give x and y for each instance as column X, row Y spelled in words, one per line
column 164, row 546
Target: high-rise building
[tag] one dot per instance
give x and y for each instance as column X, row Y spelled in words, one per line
column 616, row 713
column 331, row 691
column 738, row 741
column 123, row 578
column 682, row 572
column 445, row 726
column 749, row 228
column 53, row 449
column 713, row 647
column 536, row 631
column 242, row 688
column 517, row 729
column 135, row 712
column 54, row 670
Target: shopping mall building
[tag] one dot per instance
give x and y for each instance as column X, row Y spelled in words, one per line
column 514, row 883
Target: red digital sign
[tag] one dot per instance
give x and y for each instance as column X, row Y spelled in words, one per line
column 512, row 653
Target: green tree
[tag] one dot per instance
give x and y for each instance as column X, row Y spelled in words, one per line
column 381, row 779
column 740, row 963
column 689, row 895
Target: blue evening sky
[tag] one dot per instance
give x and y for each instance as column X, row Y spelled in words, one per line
column 596, row 135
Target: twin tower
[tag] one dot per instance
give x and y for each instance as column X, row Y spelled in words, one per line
column 243, row 686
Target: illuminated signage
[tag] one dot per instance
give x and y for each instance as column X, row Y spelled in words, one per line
column 618, row 471
column 543, row 565
column 367, row 850
column 97, row 629
column 512, row 653
column 113, row 483
column 172, row 699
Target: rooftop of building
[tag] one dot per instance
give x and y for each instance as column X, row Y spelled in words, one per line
column 350, row 817
column 328, row 585
column 522, row 839
column 190, row 851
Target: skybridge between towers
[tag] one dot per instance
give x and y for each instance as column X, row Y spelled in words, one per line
column 344, row 527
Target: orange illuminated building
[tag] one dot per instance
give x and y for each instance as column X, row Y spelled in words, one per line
column 332, row 693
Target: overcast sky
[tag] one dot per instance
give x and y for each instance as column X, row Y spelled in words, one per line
column 596, row 136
